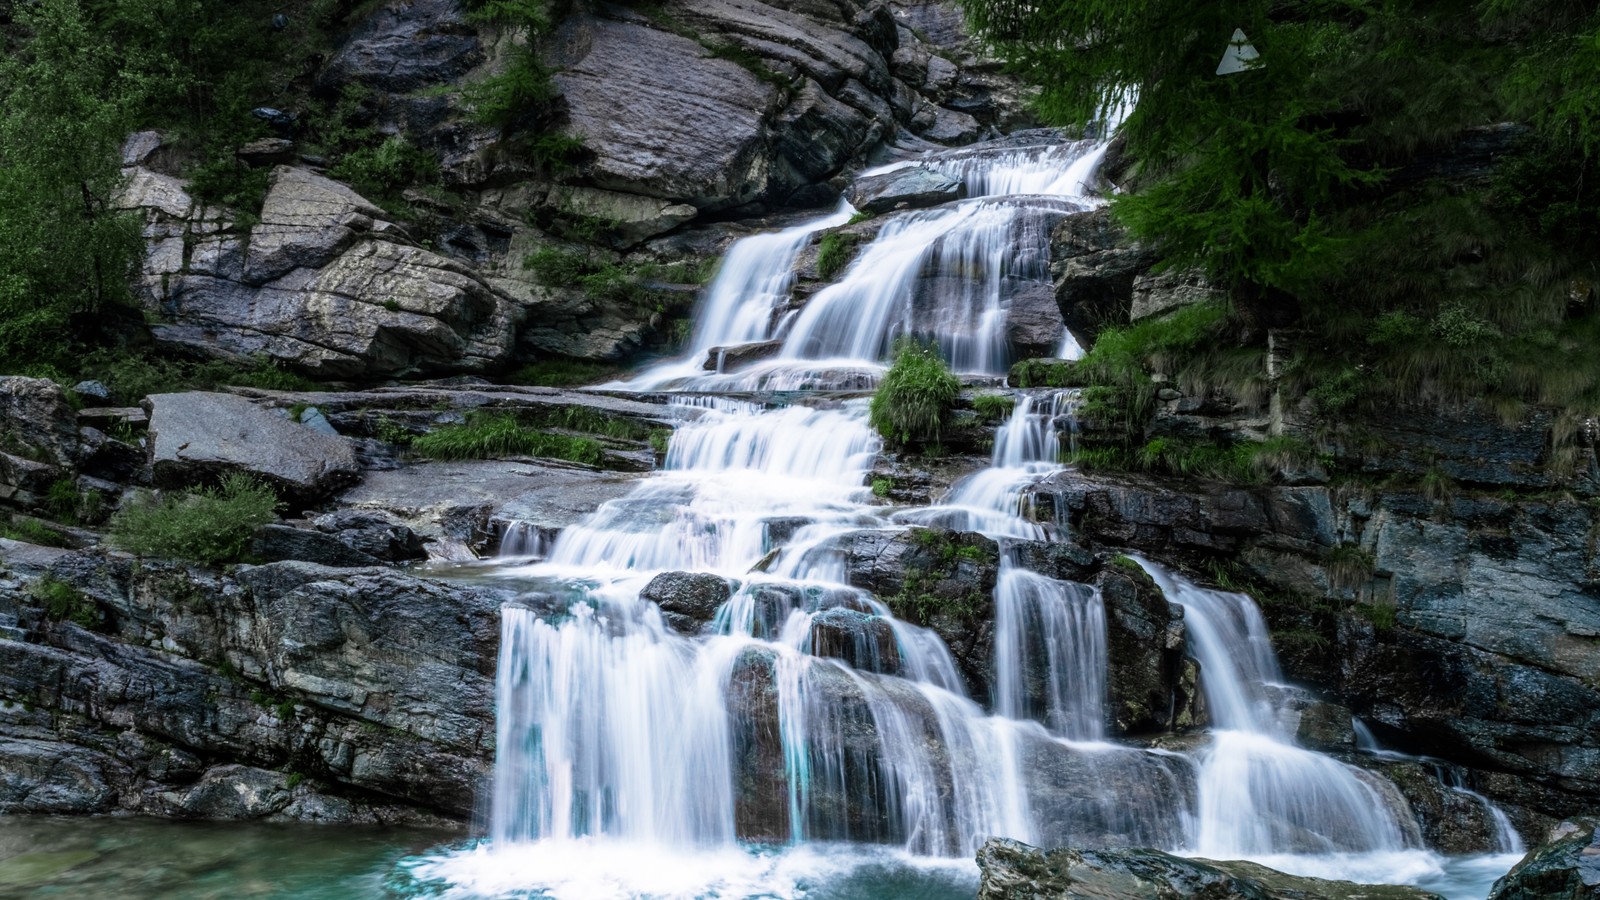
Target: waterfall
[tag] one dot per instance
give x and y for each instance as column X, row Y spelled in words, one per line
column 805, row 711
column 943, row 274
column 1259, row 793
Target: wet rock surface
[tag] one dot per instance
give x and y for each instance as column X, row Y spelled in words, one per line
column 1015, row 871
column 289, row 690
column 1567, row 867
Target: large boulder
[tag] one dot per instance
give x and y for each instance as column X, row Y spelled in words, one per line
column 688, row 600
column 322, row 283
column 663, row 116
column 1094, row 262
column 908, row 187
column 1015, row 871
column 37, row 421
column 1567, row 867
column 197, row 437
column 284, row 691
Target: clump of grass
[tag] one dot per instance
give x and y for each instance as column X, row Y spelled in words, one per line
column 834, row 253
column 562, row 373
column 209, row 525
column 916, row 396
column 882, row 486
column 494, row 436
column 994, row 408
column 1437, row 486
column 1348, row 566
column 64, row 603
column 31, row 531
column 1381, row 615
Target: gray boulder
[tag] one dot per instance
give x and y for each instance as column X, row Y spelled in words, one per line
column 1161, row 292
column 197, row 437
column 36, row 421
column 1015, row 871
column 663, row 117
column 911, row 187
column 322, row 283
column 1567, row 867
column 687, row 599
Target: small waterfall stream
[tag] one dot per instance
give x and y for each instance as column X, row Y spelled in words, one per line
column 806, row 712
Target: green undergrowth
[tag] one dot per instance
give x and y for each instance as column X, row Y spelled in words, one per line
column 835, row 251
column 602, row 279
column 994, row 409
column 205, row 525
column 133, row 375
column 64, row 603
column 926, row 593
column 1244, row 463
column 913, row 403
column 563, row 373
column 494, row 435
column 32, row 531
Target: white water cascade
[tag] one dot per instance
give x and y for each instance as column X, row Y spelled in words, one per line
column 947, row 275
column 1259, row 793
column 645, row 751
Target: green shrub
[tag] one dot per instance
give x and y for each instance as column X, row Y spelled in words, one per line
column 834, row 253
column 64, row 603
column 209, row 525
column 493, row 436
column 388, row 167
column 32, row 531
column 882, row 486
column 562, row 373
column 916, row 396
column 994, row 408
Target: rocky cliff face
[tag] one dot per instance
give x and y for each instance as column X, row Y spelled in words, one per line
column 290, row 690
column 688, row 113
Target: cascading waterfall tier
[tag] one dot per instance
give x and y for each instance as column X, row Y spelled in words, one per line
column 947, row 275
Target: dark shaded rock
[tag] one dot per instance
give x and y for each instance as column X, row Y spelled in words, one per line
column 376, row 684
column 275, row 543
column 1015, row 871
column 403, row 47
column 1033, row 320
column 374, row 534
column 688, row 600
column 1106, row 799
column 733, row 358
column 760, row 782
column 1451, row 821
column 1094, row 262
column 1565, row 868
column 1150, row 680
column 197, row 437
column 865, row 642
column 266, row 152
column 37, row 422
column 911, row 187
column 40, row 776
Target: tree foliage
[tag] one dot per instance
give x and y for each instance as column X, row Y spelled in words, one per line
column 1425, row 157
column 65, row 249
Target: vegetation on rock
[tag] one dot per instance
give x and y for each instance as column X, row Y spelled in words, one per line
column 488, row 436
column 1403, row 182
column 209, row 525
column 916, row 396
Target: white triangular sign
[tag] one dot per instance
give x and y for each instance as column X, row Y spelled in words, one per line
column 1241, row 55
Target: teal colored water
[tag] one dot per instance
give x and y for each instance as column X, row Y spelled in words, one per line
column 145, row 859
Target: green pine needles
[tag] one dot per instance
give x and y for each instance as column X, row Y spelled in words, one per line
column 918, row 392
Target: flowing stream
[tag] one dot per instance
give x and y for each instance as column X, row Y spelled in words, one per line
column 807, row 740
